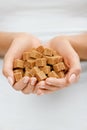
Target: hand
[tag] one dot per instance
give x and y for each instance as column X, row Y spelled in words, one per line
column 20, row 44
column 64, row 48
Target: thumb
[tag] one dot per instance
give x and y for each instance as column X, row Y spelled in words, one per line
column 8, row 69
column 9, row 59
column 74, row 72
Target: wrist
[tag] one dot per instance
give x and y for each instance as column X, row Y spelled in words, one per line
column 56, row 41
column 78, row 42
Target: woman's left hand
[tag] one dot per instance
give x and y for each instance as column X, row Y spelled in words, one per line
column 71, row 59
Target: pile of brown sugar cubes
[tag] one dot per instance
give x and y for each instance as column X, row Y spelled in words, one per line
column 40, row 63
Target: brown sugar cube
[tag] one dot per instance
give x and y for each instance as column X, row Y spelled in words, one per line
column 33, row 49
column 26, row 56
column 18, row 64
column 28, row 73
column 47, row 52
column 32, row 72
column 40, row 49
column 35, row 54
column 61, row 74
column 18, row 70
column 17, row 76
column 58, row 67
column 35, row 70
column 66, row 69
column 27, row 69
column 30, row 64
column 41, row 62
column 53, row 74
column 46, row 69
column 54, row 53
column 59, row 59
column 54, row 60
column 40, row 76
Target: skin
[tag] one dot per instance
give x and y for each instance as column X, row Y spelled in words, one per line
column 17, row 44
column 65, row 45
column 72, row 48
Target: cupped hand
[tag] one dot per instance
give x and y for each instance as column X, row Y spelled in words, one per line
column 63, row 47
column 20, row 44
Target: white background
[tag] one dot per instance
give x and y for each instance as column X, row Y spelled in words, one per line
column 62, row 110
column 44, row 18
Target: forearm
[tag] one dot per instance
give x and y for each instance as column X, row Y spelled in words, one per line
column 6, row 39
column 79, row 43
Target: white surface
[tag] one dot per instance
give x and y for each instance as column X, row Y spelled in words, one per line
column 65, row 109
column 44, row 18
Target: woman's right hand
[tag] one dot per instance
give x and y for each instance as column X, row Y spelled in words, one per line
column 21, row 43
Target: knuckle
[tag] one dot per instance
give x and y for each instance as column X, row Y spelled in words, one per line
column 5, row 72
column 79, row 70
column 25, row 92
column 16, row 88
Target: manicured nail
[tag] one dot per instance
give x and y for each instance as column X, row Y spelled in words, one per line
column 26, row 80
column 33, row 82
column 39, row 92
column 10, row 80
column 49, row 81
column 72, row 78
column 42, row 87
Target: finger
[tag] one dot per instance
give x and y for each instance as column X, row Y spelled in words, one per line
column 12, row 53
column 71, row 59
column 61, row 82
column 22, row 83
column 50, row 87
column 30, row 87
column 42, row 85
column 74, row 71
column 38, row 85
column 43, row 91
column 8, row 69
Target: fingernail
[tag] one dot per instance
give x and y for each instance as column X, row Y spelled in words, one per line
column 10, row 80
column 26, row 80
column 39, row 92
column 72, row 78
column 48, row 82
column 33, row 82
column 42, row 87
